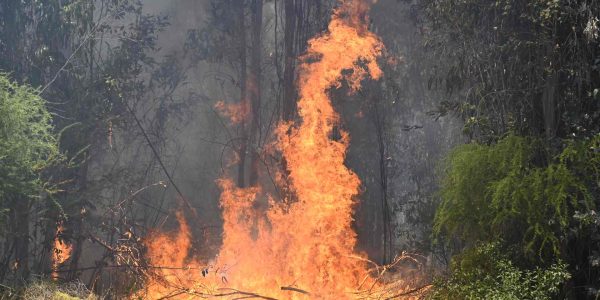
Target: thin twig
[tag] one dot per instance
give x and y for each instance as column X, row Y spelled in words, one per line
column 293, row 289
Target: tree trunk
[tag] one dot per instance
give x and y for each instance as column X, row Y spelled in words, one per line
column 289, row 93
column 379, row 120
column 21, row 241
column 549, row 106
column 77, row 225
column 243, row 148
column 550, row 93
column 255, row 89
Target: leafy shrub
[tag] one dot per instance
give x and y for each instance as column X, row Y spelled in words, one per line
column 485, row 273
column 504, row 192
column 27, row 144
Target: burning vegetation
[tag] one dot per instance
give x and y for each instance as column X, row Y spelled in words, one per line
column 61, row 250
column 300, row 248
column 300, row 149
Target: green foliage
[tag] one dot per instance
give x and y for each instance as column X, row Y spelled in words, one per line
column 530, row 68
column 27, row 144
column 485, row 273
column 493, row 192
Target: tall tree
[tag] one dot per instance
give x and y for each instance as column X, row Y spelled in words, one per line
column 254, row 83
column 289, row 38
column 244, row 98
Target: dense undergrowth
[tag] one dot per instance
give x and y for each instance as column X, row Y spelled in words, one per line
column 514, row 217
column 518, row 212
column 485, row 272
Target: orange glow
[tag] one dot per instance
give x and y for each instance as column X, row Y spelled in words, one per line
column 235, row 112
column 308, row 245
column 61, row 251
column 168, row 253
column 301, row 248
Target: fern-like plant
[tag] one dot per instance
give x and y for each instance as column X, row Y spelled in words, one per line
column 503, row 192
column 27, row 144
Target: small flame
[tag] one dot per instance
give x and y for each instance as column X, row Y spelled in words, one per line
column 61, row 251
column 235, row 112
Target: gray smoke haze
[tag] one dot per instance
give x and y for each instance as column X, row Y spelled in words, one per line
column 196, row 150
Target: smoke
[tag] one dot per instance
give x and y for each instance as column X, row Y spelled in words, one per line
column 199, row 140
column 411, row 155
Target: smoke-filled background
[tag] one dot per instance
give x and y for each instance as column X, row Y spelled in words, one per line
column 144, row 105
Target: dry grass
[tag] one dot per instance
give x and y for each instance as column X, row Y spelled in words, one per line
column 42, row 290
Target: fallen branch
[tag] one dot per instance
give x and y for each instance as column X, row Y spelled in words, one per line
column 293, row 289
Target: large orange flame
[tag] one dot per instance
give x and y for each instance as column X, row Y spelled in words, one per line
column 303, row 248
column 310, row 243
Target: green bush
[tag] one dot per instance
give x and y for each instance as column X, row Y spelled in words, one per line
column 27, row 144
column 506, row 192
column 485, row 273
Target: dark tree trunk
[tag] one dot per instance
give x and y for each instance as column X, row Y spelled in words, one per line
column 549, row 106
column 243, row 148
column 550, row 96
column 77, row 226
column 379, row 120
column 289, row 92
column 255, row 89
column 21, row 240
